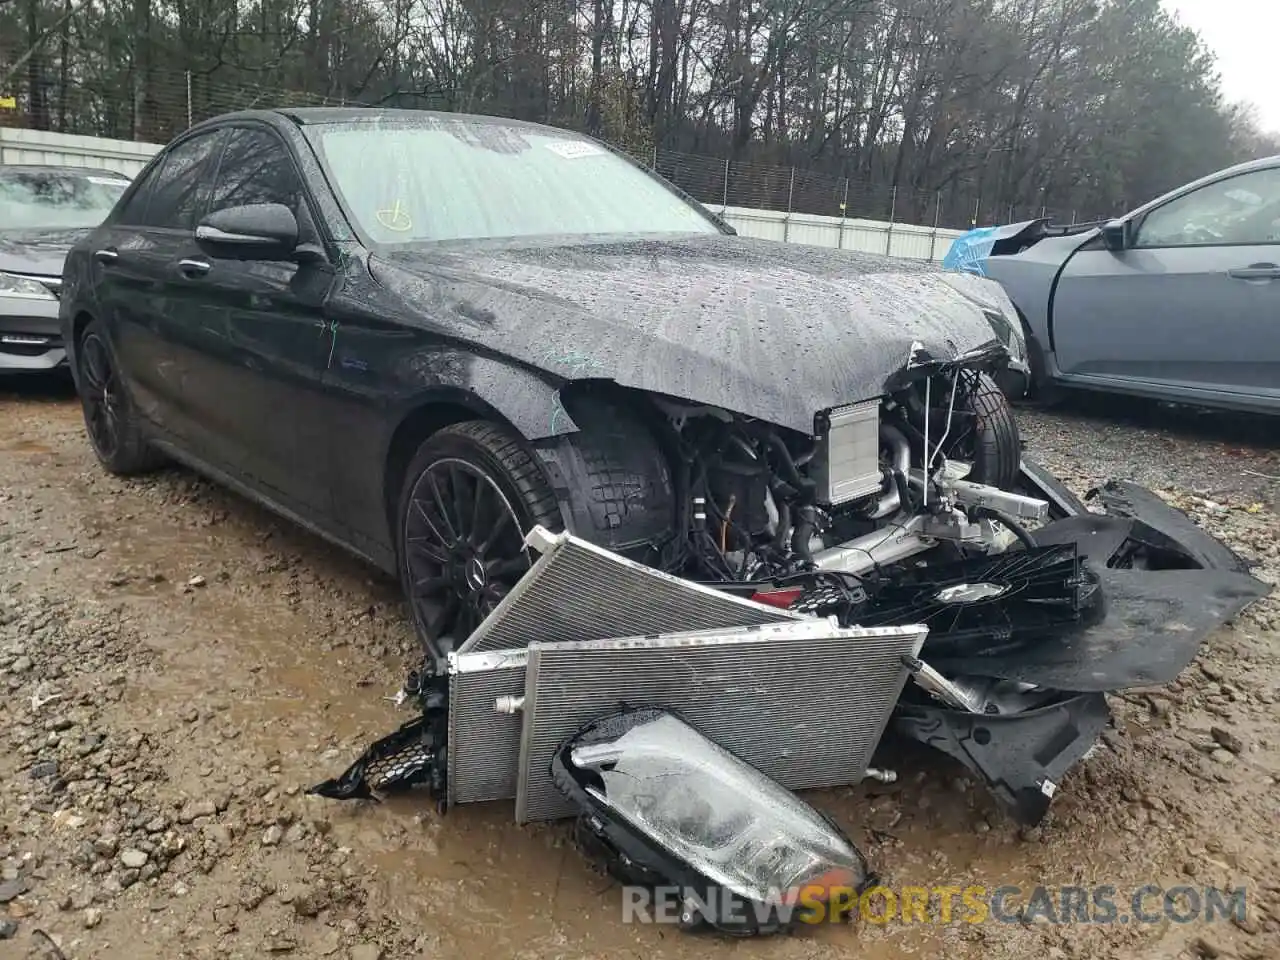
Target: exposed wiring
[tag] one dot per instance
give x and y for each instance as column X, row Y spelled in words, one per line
column 951, row 409
column 724, row 526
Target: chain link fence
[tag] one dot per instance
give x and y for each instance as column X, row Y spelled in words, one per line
column 167, row 105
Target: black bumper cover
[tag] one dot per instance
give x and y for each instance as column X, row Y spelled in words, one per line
column 1167, row 585
column 1021, row 757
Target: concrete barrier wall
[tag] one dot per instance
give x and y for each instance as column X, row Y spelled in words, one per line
column 866, row 236
column 66, row 150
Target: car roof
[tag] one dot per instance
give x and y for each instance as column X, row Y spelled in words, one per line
column 312, row 116
column 1248, row 166
column 60, row 168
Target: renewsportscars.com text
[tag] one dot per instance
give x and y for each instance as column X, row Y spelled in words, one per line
column 971, row 904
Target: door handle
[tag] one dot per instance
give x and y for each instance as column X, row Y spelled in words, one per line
column 106, row 255
column 193, row 268
column 1256, row 271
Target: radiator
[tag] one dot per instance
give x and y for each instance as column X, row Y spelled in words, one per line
column 806, row 703
column 484, row 745
column 578, row 591
column 846, row 465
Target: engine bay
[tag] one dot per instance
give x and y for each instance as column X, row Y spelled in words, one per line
column 933, row 463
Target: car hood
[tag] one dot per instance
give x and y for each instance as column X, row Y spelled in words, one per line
column 770, row 330
column 38, row 252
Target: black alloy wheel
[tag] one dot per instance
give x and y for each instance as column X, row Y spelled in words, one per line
column 114, row 431
column 100, row 394
column 471, row 495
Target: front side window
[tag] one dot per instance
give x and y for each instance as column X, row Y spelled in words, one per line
column 443, row 179
column 1244, row 209
column 46, row 198
column 256, row 168
column 182, row 185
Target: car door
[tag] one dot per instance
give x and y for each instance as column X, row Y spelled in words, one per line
column 155, row 327
column 261, row 376
column 1191, row 302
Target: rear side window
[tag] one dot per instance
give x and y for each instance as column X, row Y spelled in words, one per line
column 181, row 187
column 134, row 211
column 256, row 167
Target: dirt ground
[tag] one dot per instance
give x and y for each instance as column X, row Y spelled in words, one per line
column 178, row 667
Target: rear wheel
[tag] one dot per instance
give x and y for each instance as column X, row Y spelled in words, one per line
column 114, row 429
column 470, row 494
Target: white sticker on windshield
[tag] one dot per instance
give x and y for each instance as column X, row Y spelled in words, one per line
column 109, row 181
column 572, row 149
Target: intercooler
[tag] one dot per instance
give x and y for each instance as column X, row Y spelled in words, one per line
column 805, row 702
column 578, row 591
column 484, row 744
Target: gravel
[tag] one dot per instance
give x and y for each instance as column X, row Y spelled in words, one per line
column 179, row 666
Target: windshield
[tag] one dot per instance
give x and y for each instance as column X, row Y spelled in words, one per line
column 42, row 199
column 463, row 179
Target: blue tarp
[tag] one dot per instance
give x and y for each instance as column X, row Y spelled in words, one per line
column 969, row 251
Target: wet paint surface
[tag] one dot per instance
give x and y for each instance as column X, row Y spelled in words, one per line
column 774, row 331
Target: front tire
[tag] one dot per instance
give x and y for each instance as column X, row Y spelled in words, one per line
column 992, row 444
column 114, row 429
column 470, row 495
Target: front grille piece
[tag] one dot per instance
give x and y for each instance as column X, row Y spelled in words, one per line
column 806, row 703
column 484, row 744
column 578, row 591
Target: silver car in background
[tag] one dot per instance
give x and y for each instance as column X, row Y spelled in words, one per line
column 43, row 211
column 1178, row 300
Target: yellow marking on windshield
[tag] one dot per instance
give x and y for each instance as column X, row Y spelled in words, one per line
column 396, row 218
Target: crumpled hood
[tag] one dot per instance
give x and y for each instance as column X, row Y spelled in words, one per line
column 771, row 330
column 37, row 252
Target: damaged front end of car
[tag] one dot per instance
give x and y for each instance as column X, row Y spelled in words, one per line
column 903, row 568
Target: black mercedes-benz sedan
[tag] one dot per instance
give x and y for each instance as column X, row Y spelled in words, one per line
column 423, row 334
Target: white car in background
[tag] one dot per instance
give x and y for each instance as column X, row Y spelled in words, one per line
column 43, row 211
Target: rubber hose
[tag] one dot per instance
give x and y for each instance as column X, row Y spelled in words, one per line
column 789, row 469
column 1017, row 529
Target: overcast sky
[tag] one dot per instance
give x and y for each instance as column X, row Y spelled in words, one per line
column 1245, row 34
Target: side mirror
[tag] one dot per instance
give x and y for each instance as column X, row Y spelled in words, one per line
column 1115, row 235
column 257, row 231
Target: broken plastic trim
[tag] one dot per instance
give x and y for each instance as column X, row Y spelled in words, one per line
column 412, row 756
column 1020, row 756
column 662, row 805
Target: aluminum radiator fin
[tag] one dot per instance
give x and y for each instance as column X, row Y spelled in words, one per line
column 578, row 591
column 484, row 745
column 808, row 711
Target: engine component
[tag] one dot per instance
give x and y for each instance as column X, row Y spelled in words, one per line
column 846, row 465
column 559, row 599
column 889, row 545
column 752, row 690
column 893, row 499
column 930, row 680
column 484, row 738
column 664, row 803
column 970, row 494
column 989, row 602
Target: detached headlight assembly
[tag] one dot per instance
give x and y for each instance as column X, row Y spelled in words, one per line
column 15, row 286
column 665, row 808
